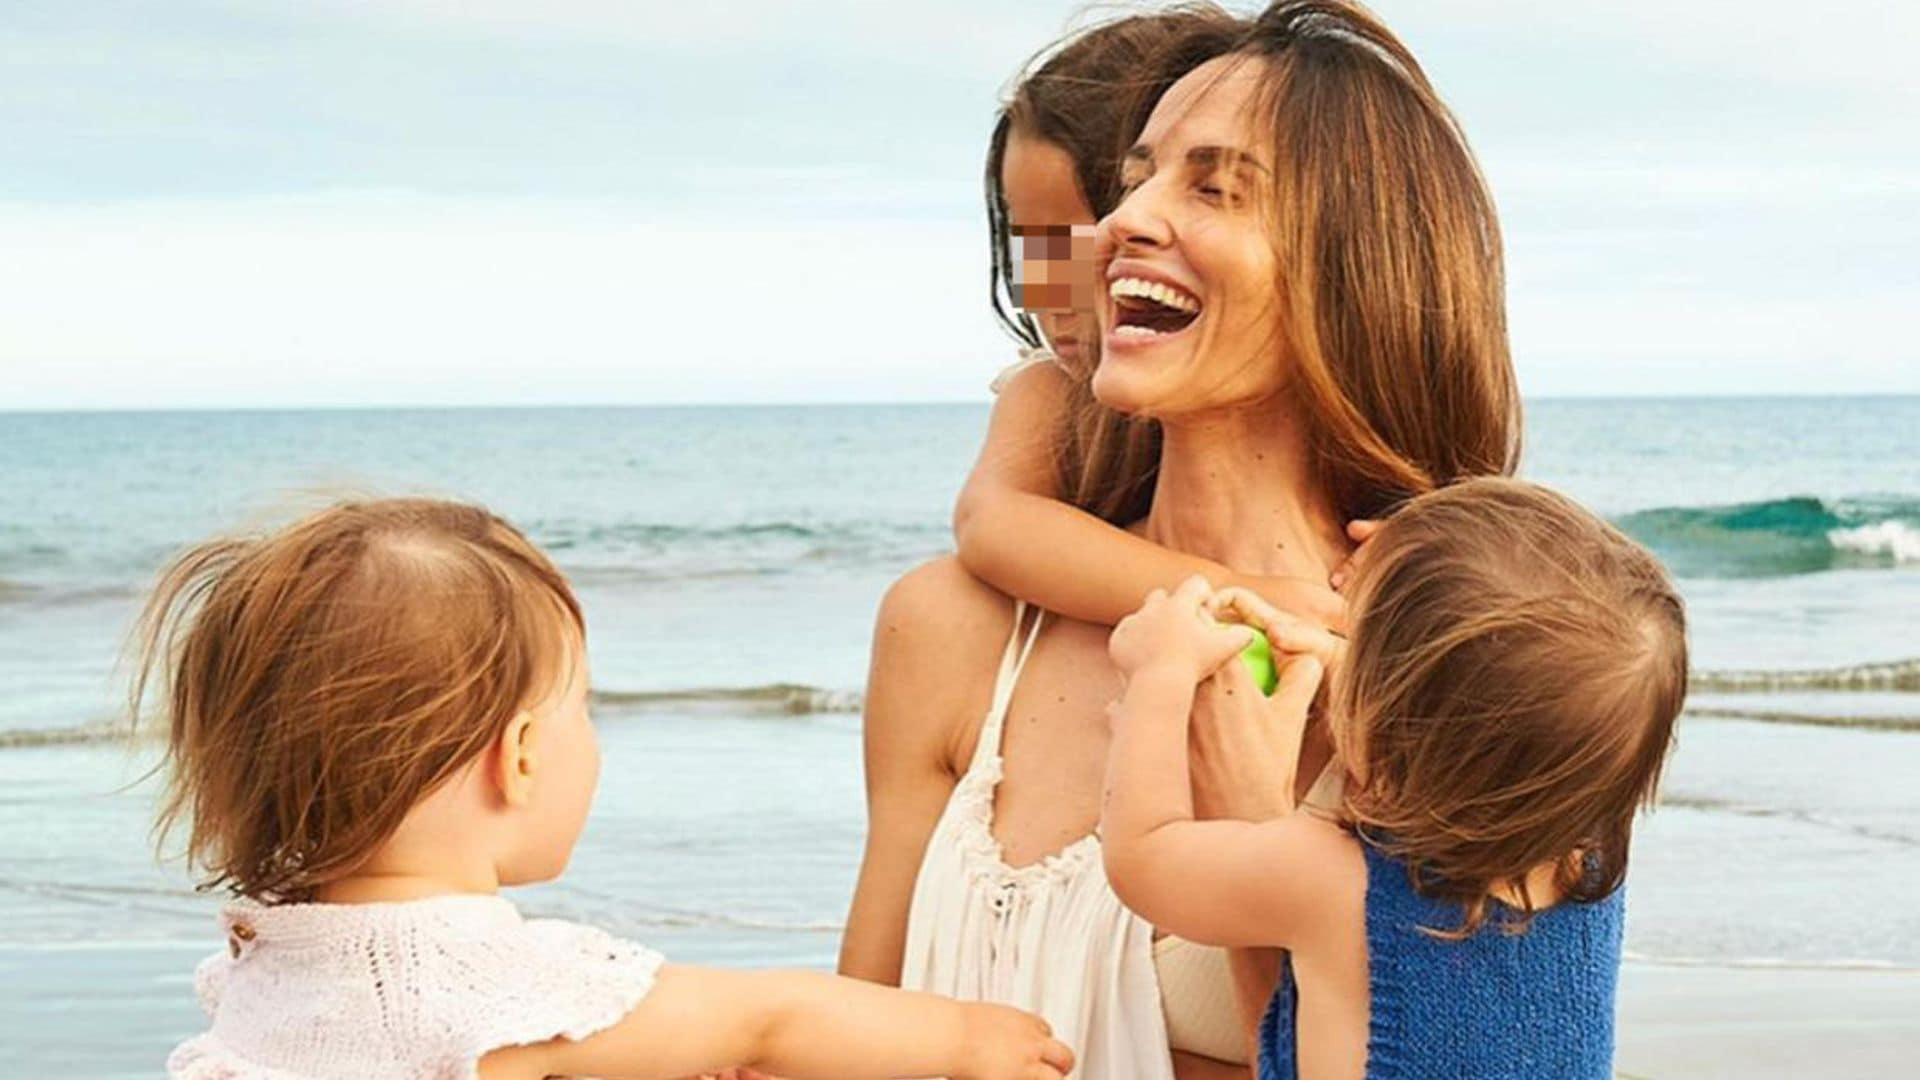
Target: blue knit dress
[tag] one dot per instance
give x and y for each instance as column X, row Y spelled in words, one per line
column 1536, row 1005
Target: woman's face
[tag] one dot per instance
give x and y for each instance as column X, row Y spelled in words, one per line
column 1190, row 314
column 1052, row 228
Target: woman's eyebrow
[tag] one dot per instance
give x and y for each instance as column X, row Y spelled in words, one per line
column 1214, row 157
column 1204, row 157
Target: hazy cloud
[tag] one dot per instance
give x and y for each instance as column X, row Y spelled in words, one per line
column 488, row 200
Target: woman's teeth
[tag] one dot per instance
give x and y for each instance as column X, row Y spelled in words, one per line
column 1158, row 292
column 1150, row 309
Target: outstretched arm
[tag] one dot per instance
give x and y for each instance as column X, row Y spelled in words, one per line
column 1015, row 533
column 800, row 1024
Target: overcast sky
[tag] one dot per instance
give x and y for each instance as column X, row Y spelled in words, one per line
column 325, row 202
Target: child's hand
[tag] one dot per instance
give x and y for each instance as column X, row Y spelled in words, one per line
column 1309, row 599
column 1007, row 1044
column 1175, row 633
column 1287, row 633
column 1359, row 531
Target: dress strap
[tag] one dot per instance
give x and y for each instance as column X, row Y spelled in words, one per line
column 1012, row 661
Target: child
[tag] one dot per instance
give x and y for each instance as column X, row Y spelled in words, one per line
column 1503, row 709
column 377, row 717
column 1043, row 513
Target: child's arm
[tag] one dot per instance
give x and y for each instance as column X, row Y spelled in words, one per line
column 1230, row 883
column 799, row 1024
column 1016, row 534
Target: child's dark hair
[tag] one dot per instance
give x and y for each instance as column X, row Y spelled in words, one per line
column 1090, row 95
column 1509, row 694
column 321, row 679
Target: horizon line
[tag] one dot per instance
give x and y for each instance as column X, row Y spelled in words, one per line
column 336, row 407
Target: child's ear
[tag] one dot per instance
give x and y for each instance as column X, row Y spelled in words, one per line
column 514, row 760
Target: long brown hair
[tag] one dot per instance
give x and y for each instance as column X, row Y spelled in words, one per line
column 1392, row 281
column 1090, row 94
column 1391, row 286
column 1509, row 693
column 319, row 680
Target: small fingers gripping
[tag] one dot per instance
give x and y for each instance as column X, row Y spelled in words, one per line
column 1288, row 633
column 1300, row 678
column 1176, row 632
column 1193, row 593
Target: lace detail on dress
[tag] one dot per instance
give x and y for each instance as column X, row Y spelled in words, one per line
column 1050, row 937
column 980, row 850
column 417, row 989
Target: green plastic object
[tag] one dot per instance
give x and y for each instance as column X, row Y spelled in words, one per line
column 1258, row 656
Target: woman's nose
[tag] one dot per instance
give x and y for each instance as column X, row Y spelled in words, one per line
column 1136, row 223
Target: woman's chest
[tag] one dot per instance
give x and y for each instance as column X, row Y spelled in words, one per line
column 1054, row 745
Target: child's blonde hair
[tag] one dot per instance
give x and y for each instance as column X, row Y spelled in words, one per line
column 320, row 680
column 1509, row 693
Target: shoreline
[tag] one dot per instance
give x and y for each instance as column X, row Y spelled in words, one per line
column 1709, row 1019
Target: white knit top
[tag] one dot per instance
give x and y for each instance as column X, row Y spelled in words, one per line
column 423, row 988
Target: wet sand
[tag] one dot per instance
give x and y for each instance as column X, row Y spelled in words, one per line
column 1757, row 1022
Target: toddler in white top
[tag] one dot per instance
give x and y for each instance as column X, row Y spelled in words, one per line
column 377, row 717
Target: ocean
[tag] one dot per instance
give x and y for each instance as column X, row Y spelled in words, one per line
column 730, row 561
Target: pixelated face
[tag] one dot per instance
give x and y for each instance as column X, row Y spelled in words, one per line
column 1053, row 268
column 1189, row 311
column 1054, row 277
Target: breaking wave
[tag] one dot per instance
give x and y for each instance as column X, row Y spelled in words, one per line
column 1781, row 537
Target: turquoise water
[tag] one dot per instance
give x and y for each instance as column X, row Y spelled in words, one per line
column 730, row 561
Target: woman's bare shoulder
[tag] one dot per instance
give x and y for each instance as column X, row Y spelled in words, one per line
column 936, row 649
column 940, row 598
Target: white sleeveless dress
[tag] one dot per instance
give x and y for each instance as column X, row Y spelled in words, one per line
column 1050, row 937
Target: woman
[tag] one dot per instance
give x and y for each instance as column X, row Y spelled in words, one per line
column 1337, row 343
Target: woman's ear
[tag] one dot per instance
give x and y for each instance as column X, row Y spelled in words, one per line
column 514, row 761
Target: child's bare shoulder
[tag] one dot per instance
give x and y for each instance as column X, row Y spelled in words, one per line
column 1340, row 867
column 1041, row 375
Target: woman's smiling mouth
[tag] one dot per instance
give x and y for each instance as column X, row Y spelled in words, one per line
column 1147, row 311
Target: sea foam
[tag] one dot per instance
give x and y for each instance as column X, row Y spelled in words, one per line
column 1898, row 539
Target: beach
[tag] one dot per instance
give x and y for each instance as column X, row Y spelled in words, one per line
column 730, row 561
column 715, row 853
column 1766, row 1022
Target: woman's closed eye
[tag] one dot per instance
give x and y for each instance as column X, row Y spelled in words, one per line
column 1220, row 187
